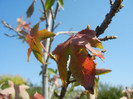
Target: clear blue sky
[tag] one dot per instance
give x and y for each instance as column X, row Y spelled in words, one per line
column 77, row 14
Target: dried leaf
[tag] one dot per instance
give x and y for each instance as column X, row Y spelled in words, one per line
column 30, row 10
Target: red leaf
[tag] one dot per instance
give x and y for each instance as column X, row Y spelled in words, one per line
column 82, row 68
column 38, row 96
column 81, row 65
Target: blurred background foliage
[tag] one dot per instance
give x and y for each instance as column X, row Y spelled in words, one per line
column 17, row 80
column 106, row 91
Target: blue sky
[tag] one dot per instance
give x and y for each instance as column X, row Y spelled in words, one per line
column 77, row 14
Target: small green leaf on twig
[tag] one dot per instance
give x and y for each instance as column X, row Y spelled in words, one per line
column 49, row 3
column 60, row 2
column 51, row 71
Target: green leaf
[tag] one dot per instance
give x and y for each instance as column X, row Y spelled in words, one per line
column 49, row 3
column 30, row 10
column 51, row 71
column 60, row 2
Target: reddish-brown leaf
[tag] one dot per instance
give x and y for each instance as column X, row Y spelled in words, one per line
column 82, row 68
column 81, row 65
column 62, row 54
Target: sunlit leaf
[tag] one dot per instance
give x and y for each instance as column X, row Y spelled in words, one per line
column 81, row 65
column 34, row 38
column 60, row 2
column 51, row 71
column 49, row 3
column 82, row 68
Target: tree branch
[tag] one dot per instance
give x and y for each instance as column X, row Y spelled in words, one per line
column 9, row 26
column 52, row 88
column 108, row 38
column 111, row 2
column 66, row 32
column 45, row 15
column 54, row 17
column 64, row 88
column 114, row 9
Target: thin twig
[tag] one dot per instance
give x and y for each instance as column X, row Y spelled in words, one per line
column 9, row 26
column 114, row 9
column 66, row 32
column 57, row 25
column 56, row 95
column 103, row 51
column 43, row 4
column 111, row 2
column 10, row 35
column 64, row 88
column 41, row 11
column 45, row 49
column 108, row 38
column 54, row 17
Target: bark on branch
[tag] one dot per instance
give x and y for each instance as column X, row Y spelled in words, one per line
column 114, row 9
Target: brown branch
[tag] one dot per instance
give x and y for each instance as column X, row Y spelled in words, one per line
column 108, row 38
column 111, row 2
column 56, row 95
column 64, row 88
column 57, row 25
column 114, row 9
column 103, row 51
column 9, row 26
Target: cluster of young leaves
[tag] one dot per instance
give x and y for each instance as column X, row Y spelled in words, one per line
column 82, row 65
